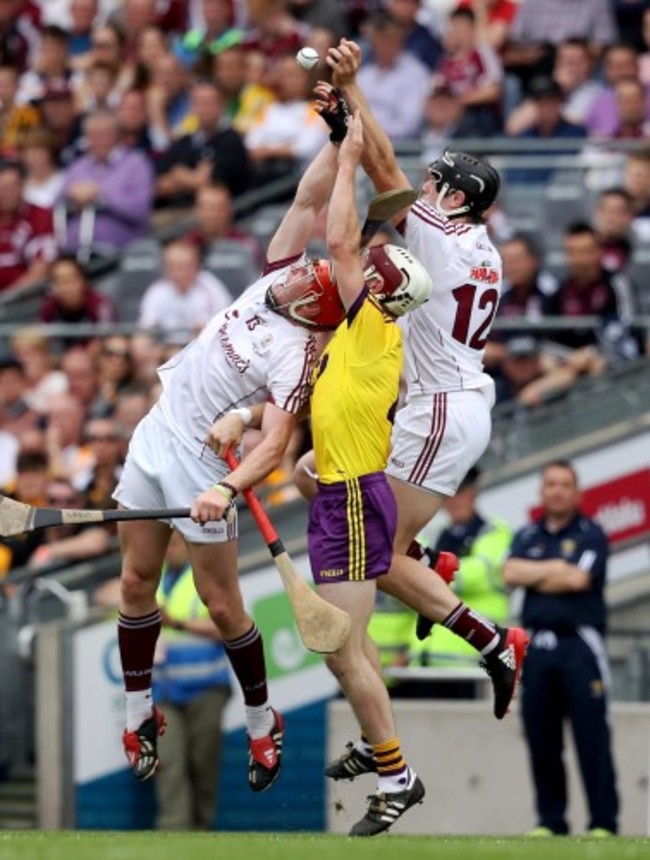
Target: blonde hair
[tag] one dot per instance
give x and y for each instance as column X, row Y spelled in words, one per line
column 31, row 336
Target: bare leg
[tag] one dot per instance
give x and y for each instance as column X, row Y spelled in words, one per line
column 359, row 679
column 407, row 579
column 372, row 653
column 217, row 584
column 431, row 597
column 143, row 545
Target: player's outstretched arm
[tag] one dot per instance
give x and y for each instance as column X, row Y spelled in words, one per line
column 277, row 427
column 216, row 502
column 343, row 230
column 312, row 194
column 378, row 158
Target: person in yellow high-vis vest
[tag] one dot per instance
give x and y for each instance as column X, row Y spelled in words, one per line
column 481, row 546
column 191, row 682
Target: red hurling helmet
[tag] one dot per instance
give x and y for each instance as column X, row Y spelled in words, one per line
column 307, row 296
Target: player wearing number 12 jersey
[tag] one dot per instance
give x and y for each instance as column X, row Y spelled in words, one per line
column 444, row 426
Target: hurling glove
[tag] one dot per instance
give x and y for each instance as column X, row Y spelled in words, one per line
column 336, row 114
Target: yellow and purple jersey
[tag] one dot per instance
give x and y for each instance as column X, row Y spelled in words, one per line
column 355, row 393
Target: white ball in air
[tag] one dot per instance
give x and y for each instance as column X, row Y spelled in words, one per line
column 307, row 58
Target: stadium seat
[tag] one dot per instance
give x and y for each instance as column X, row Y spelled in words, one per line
column 555, row 263
column 638, row 271
column 522, row 202
column 233, row 263
column 563, row 204
column 140, row 265
column 263, row 224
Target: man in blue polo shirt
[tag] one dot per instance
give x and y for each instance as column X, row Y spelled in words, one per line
column 561, row 562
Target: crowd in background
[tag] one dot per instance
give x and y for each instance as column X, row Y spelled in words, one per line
column 117, row 114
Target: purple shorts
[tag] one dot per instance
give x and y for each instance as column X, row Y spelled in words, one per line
column 351, row 529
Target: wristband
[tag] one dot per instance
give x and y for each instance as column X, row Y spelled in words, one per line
column 225, row 489
column 244, row 413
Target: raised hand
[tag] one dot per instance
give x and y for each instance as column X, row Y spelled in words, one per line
column 352, row 146
column 333, row 108
column 344, row 60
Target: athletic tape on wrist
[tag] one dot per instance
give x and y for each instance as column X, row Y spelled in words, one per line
column 244, row 413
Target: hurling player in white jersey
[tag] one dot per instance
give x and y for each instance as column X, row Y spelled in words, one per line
column 444, row 426
column 260, row 350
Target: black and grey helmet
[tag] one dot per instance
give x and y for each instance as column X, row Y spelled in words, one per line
column 475, row 177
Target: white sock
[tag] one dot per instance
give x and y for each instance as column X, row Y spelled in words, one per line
column 399, row 782
column 259, row 720
column 139, row 707
column 364, row 748
column 492, row 644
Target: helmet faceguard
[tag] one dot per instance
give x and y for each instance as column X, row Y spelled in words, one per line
column 307, row 296
column 475, row 177
column 398, row 281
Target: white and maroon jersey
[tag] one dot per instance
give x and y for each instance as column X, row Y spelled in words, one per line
column 25, row 236
column 246, row 354
column 444, row 339
column 466, row 72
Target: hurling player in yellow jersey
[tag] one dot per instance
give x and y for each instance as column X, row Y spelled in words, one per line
column 352, row 518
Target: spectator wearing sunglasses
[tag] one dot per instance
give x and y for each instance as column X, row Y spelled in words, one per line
column 115, row 368
column 68, row 543
column 103, row 437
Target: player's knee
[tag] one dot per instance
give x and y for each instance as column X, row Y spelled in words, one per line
column 402, row 543
column 227, row 612
column 137, row 586
column 338, row 664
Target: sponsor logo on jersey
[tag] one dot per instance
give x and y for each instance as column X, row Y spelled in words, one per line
column 240, row 363
column 485, row 274
column 330, row 574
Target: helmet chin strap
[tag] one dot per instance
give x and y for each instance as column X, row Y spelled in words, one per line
column 449, row 213
column 295, row 306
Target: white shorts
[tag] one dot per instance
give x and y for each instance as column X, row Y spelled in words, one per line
column 437, row 438
column 160, row 472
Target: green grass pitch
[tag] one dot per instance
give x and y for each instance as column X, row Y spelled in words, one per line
column 87, row 845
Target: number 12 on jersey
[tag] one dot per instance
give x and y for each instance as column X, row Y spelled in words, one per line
column 466, row 301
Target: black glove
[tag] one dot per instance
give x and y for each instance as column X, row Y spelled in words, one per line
column 336, row 114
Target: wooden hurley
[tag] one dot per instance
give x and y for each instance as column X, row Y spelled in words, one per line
column 323, row 627
column 383, row 207
column 17, row 518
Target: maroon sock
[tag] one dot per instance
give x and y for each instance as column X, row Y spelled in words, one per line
column 246, row 656
column 472, row 627
column 417, row 551
column 137, row 639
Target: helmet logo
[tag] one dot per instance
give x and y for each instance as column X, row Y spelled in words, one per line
column 481, row 184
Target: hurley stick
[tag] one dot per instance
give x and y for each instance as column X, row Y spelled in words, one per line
column 17, row 518
column 383, row 207
column 323, row 628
